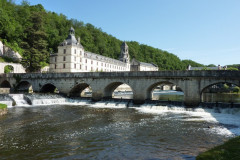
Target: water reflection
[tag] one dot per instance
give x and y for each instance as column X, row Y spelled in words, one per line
column 221, row 97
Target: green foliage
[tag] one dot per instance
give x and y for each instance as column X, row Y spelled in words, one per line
column 205, row 68
column 6, row 59
column 211, row 65
column 17, row 78
column 232, row 69
column 225, row 87
column 34, row 33
column 236, row 89
column 8, row 69
column 228, row 151
column 3, row 106
column 192, row 63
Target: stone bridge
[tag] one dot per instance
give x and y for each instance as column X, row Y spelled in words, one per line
column 192, row 83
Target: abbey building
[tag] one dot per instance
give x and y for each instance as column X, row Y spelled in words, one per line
column 72, row 57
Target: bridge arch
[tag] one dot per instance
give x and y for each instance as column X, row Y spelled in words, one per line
column 123, row 88
column 24, row 86
column 219, row 92
column 155, row 90
column 5, row 84
column 49, row 88
column 77, row 91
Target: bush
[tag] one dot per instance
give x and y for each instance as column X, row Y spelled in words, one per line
column 3, row 106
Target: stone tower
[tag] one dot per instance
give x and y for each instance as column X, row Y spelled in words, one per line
column 124, row 56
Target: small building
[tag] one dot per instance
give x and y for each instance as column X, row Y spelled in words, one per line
column 142, row 66
column 207, row 68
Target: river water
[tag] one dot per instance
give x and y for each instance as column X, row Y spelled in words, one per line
column 108, row 130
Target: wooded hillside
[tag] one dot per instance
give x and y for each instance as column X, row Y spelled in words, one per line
column 35, row 32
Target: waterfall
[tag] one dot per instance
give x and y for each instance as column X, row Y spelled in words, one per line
column 19, row 99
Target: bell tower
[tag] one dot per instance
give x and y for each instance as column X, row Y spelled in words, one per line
column 124, row 56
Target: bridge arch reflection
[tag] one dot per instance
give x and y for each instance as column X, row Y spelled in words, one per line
column 165, row 90
column 81, row 90
column 221, row 92
column 118, row 90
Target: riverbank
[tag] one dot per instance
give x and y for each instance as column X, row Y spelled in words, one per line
column 228, row 150
column 3, row 109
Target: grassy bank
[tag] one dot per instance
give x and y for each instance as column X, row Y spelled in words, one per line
column 3, row 106
column 230, row 150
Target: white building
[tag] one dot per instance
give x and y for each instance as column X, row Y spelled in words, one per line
column 72, row 57
column 142, row 66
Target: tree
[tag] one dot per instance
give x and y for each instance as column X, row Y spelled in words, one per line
column 35, row 44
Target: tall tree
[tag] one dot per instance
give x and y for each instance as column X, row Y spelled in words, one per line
column 35, row 45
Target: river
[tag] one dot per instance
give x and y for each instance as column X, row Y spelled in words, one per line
column 111, row 130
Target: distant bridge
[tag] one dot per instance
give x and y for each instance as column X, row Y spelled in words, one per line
column 192, row 83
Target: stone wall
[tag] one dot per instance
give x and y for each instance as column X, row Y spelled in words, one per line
column 17, row 68
column 3, row 111
column 4, row 90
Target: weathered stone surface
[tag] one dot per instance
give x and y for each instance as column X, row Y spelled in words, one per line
column 3, row 111
column 17, row 68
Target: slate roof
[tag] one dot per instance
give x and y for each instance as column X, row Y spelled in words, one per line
column 148, row 64
column 98, row 57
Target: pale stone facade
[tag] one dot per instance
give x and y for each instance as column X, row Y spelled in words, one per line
column 17, row 68
column 141, row 66
column 72, row 57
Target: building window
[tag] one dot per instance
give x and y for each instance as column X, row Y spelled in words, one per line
column 91, row 62
column 64, row 66
column 55, row 66
column 86, row 60
column 75, row 51
column 64, row 51
column 75, row 59
column 75, row 66
column 86, row 67
column 64, row 58
column 55, row 59
column 91, row 68
column 80, row 66
column 80, row 59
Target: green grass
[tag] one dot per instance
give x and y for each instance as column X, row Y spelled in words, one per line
column 3, row 106
column 230, row 150
column 6, row 59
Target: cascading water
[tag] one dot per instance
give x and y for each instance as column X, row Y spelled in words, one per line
column 19, row 99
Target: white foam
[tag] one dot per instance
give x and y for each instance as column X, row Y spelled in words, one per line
column 227, row 116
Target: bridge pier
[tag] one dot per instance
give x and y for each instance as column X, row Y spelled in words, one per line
column 191, row 101
column 192, row 96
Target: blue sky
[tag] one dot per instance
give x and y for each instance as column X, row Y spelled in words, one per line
column 206, row 31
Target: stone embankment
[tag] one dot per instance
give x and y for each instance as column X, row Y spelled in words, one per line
column 3, row 111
